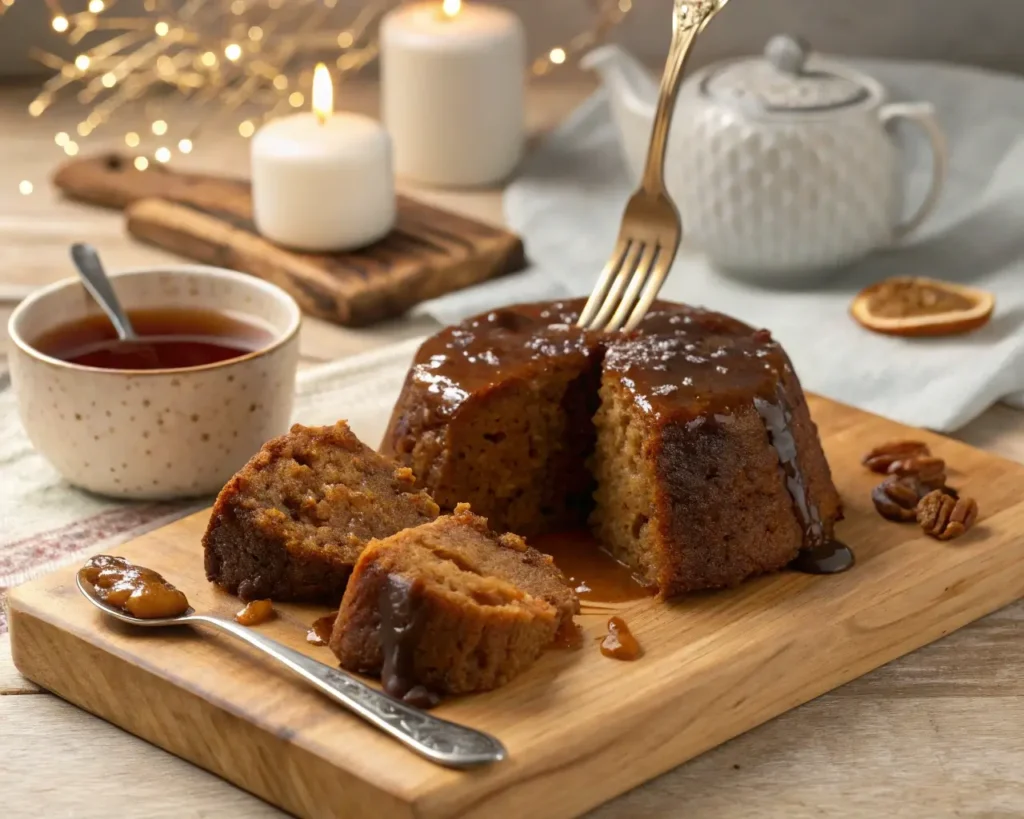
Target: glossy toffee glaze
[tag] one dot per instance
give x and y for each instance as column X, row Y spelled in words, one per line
column 400, row 626
column 512, row 341
column 593, row 573
column 255, row 613
column 619, row 643
column 136, row 590
column 319, row 633
column 170, row 338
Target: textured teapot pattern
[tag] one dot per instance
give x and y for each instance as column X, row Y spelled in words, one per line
column 793, row 196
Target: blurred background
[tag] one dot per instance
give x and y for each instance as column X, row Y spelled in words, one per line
column 979, row 32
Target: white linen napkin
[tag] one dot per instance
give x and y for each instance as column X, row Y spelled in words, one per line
column 569, row 197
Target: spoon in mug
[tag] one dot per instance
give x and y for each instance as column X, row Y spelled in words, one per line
column 446, row 743
column 135, row 353
column 95, row 279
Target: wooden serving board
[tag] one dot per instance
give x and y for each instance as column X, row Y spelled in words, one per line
column 429, row 253
column 580, row 728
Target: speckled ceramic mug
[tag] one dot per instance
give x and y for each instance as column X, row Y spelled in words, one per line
column 151, row 434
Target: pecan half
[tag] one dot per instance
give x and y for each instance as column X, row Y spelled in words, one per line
column 945, row 517
column 896, row 498
column 928, row 470
column 882, row 457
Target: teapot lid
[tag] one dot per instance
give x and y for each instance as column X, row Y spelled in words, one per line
column 782, row 82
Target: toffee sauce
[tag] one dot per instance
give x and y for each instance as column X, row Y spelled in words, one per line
column 401, row 622
column 319, row 633
column 136, row 590
column 593, row 573
column 619, row 643
column 820, row 554
column 255, row 613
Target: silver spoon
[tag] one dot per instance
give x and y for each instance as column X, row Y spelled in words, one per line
column 94, row 277
column 439, row 740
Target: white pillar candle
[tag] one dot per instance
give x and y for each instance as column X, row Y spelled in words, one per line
column 452, row 79
column 322, row 181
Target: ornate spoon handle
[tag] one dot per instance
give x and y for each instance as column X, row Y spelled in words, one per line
column 439, row 740
column 689, row 17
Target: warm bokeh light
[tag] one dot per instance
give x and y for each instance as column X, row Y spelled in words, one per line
column 161, row 29
column 60, row 23
column 108, row 80
column 232, row 51
column 25, row 187
column 159, row 127
column 295, row 99
column 163, row 154
column 185, row 146
column 345, row 39
column 82, row 62
column 209, row 59
column 246, row 128
column 451, row 7
column 141, row 163
column 61, row 138
column 71, row 148
column 280, row 82
column 557, row 56
column 323, row 93
column 96, row 6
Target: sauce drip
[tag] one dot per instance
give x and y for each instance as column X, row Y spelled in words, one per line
column 819, row 555
column 255, row 613
column 619, row 643
column 139, row 591
column 400, row 626
column 831, row 557
column 777, row 417
column 171, row 338
column 319, row 633
column 592, row 572
column 569, row 636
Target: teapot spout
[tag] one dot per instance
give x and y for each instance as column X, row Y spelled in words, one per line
column 625, row 77
column 632, row 94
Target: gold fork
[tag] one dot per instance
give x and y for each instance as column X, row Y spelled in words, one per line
column 651, row 229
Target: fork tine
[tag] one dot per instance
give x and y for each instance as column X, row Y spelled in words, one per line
column 604, row 281
column 637, row 251
column 651, row 289
column 636, row 283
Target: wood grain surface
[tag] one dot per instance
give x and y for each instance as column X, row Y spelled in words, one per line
column 207, row 218
column 933, row 734
column 580, row 728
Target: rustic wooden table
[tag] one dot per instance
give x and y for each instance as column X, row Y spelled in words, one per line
column 937, row 733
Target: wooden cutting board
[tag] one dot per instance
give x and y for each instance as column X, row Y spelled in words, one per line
column 430, row 252
column 580, row 728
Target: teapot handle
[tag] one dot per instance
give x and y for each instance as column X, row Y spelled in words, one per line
column 922, row 114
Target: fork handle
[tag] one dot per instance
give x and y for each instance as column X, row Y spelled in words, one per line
column 444, row 742
column 689, row 17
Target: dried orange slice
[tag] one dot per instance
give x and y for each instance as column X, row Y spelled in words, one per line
column 915, row 306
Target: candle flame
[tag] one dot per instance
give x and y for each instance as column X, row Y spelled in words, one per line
column 323, row 93
column 451, row 7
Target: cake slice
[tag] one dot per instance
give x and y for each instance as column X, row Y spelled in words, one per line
column 450, row 607
column 292, row 522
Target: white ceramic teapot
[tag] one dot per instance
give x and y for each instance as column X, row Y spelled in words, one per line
column 781, row 165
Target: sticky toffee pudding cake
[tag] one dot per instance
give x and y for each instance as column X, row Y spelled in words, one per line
column 450, row 607
column 292, row 522
column 688, row 444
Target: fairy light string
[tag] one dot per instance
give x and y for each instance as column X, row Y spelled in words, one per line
column 221, row 55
